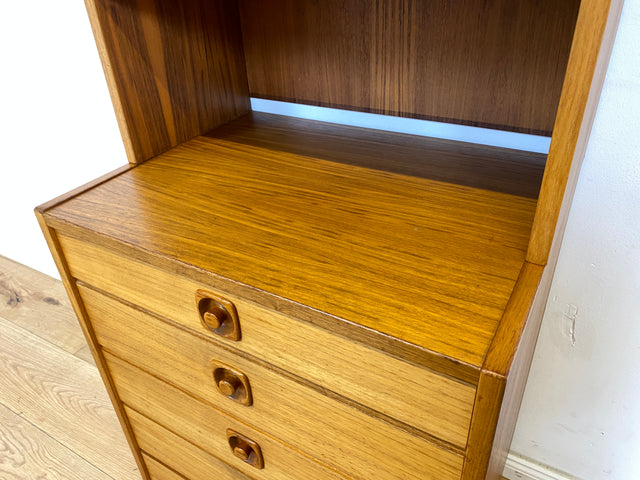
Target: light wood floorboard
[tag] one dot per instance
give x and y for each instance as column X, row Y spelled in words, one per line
column 39, row 304
column 56, row 418
column 27, row 453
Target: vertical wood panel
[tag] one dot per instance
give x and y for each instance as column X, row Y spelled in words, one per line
column 175, row 69
column 494, row 63
column 493, row 424
column 518, row 371
column 70, row 286
column 592, row 45
column 483, row 426
column 502, row 380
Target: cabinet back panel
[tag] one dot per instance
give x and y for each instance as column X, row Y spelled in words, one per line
column 492, row 63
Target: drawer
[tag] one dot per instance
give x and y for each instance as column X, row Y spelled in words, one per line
column 209, row 429
column 177, row 453
column 159, row 471
column 435, row 404
column 340, row 436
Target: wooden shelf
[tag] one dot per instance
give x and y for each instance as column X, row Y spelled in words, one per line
column 418, row 239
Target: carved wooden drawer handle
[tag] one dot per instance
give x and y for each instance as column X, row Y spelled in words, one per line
column 218, row 315
column 232, row 383
column 245, row 449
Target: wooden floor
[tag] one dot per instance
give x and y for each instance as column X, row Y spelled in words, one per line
column 56, row 420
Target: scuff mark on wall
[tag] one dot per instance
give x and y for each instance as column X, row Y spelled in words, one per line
column 570, row 316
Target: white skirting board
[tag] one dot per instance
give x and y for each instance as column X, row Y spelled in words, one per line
column 520, row 468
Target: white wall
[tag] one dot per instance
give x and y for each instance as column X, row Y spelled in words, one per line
column 57, row 126
column 580, row 413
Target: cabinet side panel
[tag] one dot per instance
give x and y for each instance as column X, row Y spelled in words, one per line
column 517, row 378
column 175, row 69
column 580, row 96
column 497, row 64
column 592, row 45
column 491, row 390
column 76, row 302
column 502, row 379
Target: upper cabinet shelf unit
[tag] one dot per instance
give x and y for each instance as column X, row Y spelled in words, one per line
column 276, row 298
column 179, row 69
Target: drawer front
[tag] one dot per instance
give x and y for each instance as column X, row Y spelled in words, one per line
column 337, row 434
column 158, row 471
column 209, row 429
column 176, row 452
column 435, row 404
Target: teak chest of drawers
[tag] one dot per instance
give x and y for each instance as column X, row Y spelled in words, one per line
column 274, row 298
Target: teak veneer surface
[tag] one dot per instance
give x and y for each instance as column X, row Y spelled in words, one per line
column 189, row 460
column 333, row 364
column 206, row 427
column 494, row 63
column 283, row 407
column 429, row 263
column 175, row 69
column 159, row 471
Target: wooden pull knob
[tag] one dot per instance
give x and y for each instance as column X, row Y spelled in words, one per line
column 245, row 449
column 218, row 315
column 242, row 453
column 231, row 383
column 228, row 387
column 213, row 320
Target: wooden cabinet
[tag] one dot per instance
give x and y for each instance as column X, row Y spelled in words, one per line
column 275, row 298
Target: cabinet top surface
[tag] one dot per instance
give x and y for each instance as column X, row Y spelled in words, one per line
column 418, row 239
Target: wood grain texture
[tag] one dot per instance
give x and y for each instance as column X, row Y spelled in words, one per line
column 389, row 387
column 27, row 453
column 84, row 353
column 39, row 304
column 175, row 69
column 508, row 337
column 64, row 397
column 54, row 246
column 517, row 379
column 483, row 426
column 182, row 456
column 592, row 44
column 206, row 427
column 40, row 209
column 421, row 262
column 571, row 135
column 498, row 64
column 308, row 420
column 503, row 378
column 159, row 471
column 360, row 234
column 479, row 166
